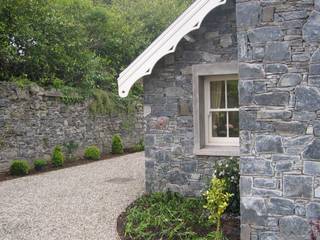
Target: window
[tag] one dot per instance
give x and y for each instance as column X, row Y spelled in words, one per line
column 221, row 110
column 216, row 109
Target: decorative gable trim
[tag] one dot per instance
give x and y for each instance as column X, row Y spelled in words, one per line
column 166, row 43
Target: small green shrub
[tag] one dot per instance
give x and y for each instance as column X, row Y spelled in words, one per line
column 217, row 202
column 19, row 168
column 229, row 171
column 39, row 164
column 117, row 146
column 92, row 153
column 57, row 157
column 139, row 147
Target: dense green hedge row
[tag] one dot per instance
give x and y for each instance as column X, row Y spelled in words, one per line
column 22, row 167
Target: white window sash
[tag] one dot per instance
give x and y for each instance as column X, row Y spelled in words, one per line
column 217, row 141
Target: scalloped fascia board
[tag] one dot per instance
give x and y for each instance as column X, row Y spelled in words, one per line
column 166, row 43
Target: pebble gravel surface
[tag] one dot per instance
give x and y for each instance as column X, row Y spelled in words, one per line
column 75, row 203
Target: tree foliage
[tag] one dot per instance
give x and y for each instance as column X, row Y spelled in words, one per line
column 78, row 43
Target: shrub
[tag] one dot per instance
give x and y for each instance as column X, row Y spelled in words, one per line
column 167, row 216
column 217, row 202
column 19, row 168
column 57, row 157
column 117, row 146
column 92, row 153
column 139, row 147
column 229, row 171
column 39, row 164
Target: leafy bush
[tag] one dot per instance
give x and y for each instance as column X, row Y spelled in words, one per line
column 117, row 146
column 139, row 147
column 39, row 164
column 57, row 157
column 167, row 216
column 19, row 168
column 217, row 202
column 229, row 171
column 92, row 153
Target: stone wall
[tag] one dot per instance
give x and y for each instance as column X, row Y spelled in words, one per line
column 171, row 163
column 34, row 121
column 280, row 104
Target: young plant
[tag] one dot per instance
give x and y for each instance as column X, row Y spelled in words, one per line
column 57, row 157
column 39, row 164
column 70, row 148
column 228, row 170
column 217, row 202
column 117, row 146
column 92, row 153
column 19, row 168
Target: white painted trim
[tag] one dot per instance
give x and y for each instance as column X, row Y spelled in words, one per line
column 166, row 43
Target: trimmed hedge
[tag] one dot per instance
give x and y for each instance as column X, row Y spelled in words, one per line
column 57, row 157
column 117, row 145
column 92, row 153
column 19, row 168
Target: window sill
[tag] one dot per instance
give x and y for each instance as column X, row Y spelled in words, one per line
column 231, row 151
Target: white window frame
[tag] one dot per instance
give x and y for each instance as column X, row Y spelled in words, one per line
column 218, row 141
column 199, row 73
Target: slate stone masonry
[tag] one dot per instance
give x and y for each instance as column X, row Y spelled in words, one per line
column 171, row 164
column 279, row 58
column 33, row 121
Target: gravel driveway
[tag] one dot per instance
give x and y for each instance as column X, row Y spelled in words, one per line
column 77, row 203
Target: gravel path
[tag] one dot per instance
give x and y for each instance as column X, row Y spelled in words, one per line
column 77, row 203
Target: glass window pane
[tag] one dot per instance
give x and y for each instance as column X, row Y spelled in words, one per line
column 233, row 99
column 217, row 94
column 233, row 124
column 219, row 122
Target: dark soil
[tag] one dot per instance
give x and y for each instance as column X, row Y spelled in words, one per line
column 67, row 164
column 231, row 226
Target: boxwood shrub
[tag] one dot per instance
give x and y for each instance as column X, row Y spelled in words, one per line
column 117, row 146
column 19, row 168
column 39, row 164
column 57, row 157
column 92, row 153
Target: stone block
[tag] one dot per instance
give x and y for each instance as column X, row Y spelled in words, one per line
column 313, row 211
column 251, row 71
column 265, row 183
column 304, row 116
column 315, row 58
column 276, row 68
column 267, row 14
column 269, row 236
column 311, row 168
column 293, row 227
column 280, row 206
column 274, row 114
column 311, row 29
column 314, row 69
column 246, row 91
column 317, row 5
column 297, row 186
column 277, row 52
column 290, row 128
column 316, row 128
column 244, row 19
column 253, row 211
column 248, row 120
column 272, row 99
column 245, row 186
column 307, row 98
column 290, row 80
column 255, row 166
column 177, row 177
column 265, row 34
column 269, row 144
column 312, row 151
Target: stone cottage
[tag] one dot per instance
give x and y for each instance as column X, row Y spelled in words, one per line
column 242, row 79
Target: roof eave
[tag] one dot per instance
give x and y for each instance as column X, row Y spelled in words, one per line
column 166, row 43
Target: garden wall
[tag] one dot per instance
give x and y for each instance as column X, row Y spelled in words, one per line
column 169, row 141
column 279, row 68
column 33, row 121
